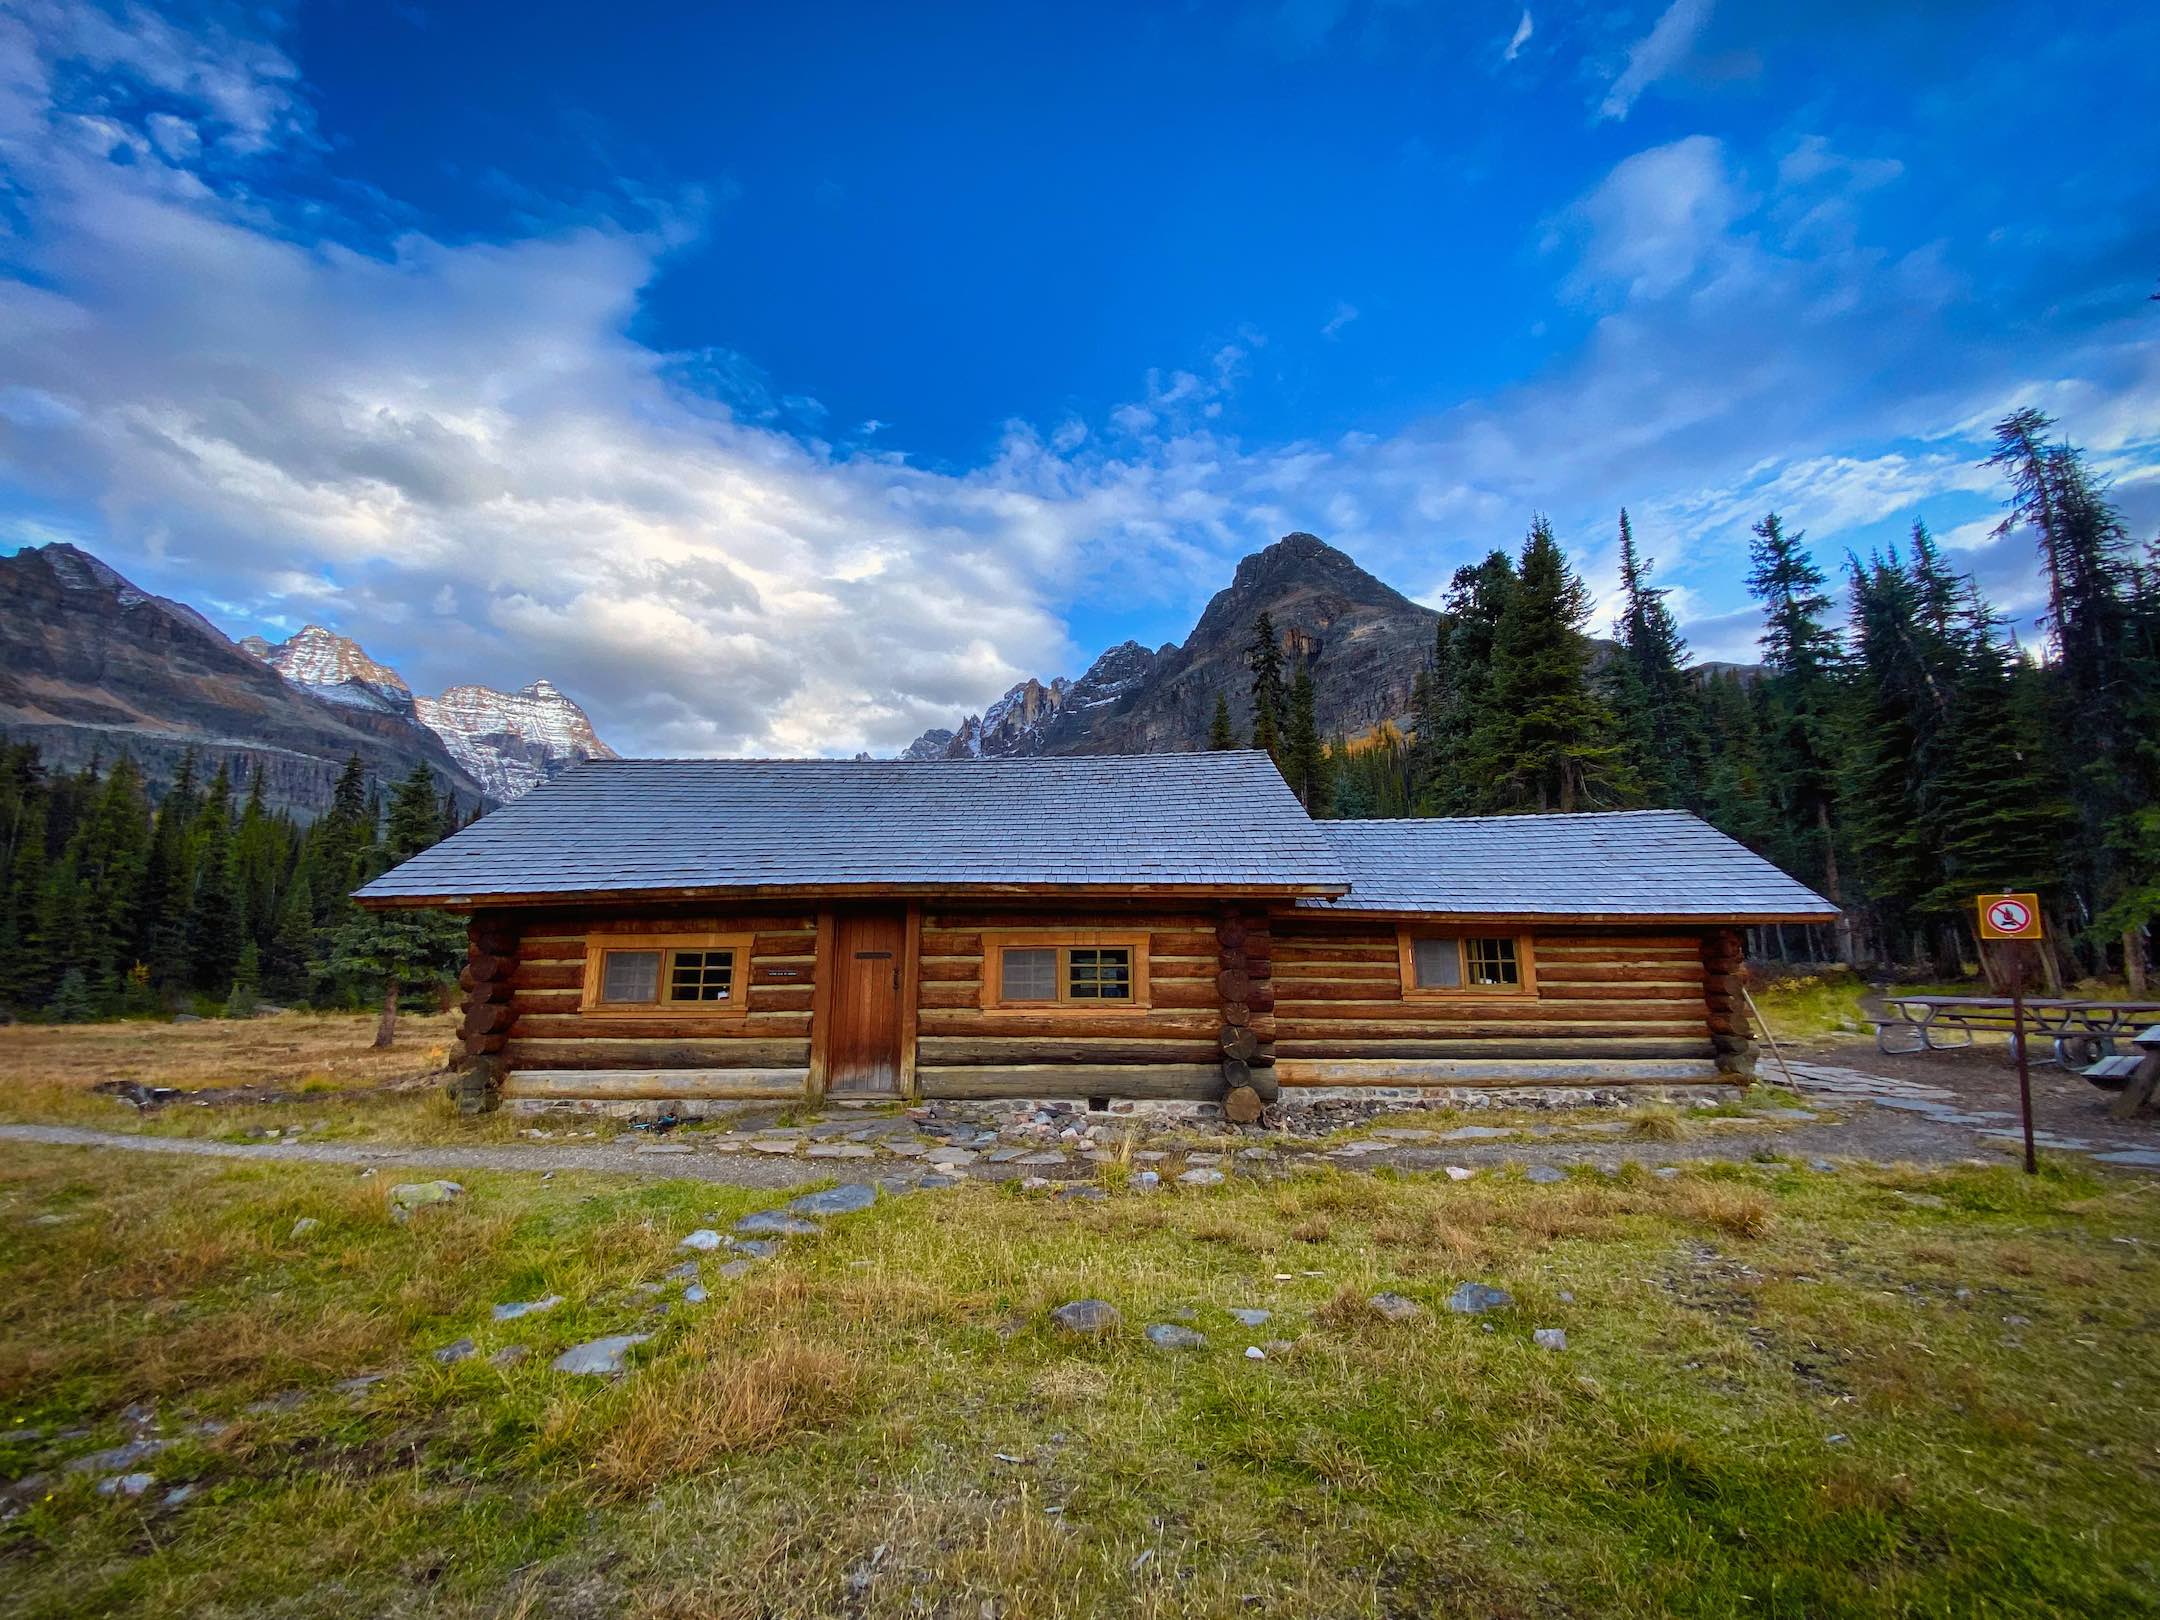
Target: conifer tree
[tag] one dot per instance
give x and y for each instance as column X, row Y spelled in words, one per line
column 1458, row 688
column 216, row 921
column 1220, row 735
column 1263, row 656
column 1545, row 741
column 415, row 820
column 1649, row 687
column 1305, row 762
column 292, row 941
column 1802, row 660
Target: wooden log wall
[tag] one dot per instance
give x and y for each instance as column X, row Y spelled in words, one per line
column 1246, row 983
column 1638, row 998
column 554, row 1050
column 491, row 950
column 1170, row 1050
column 1724, row 960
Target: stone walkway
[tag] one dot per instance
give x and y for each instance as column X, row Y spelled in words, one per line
column 1942, row 1106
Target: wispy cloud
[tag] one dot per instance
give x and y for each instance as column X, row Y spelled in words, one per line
column 1344, row 314
column 1520, row 38
column 1656, row 54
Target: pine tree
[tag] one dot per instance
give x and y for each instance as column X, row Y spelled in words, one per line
column 292, row 942
column 215, row 920
column 415, row 816
column 1220, row 736
column 1305, row 763
column 1458, row 688
column 1546, row 739
column 387, row 951
column 72, row 1002
column 1649, row 688
column 168, row 882
column 1263, row 656
column 1802, row 659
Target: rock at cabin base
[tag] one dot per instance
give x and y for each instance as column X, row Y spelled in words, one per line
column 1090, row 1317
column 1242, row 1105
column 1396, row 1307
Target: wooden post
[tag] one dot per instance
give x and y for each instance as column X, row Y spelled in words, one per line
column 490, row 961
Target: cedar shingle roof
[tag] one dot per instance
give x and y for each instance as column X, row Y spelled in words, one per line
column 1646, row 863
column 1220, row 820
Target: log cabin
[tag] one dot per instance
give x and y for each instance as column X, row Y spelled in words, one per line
column 695, row 934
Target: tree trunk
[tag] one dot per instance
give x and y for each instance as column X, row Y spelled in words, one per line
column 2134, row 960
column 1843, row 926
column 386, row 1031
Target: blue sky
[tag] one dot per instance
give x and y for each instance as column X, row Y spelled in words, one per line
column 791, row 379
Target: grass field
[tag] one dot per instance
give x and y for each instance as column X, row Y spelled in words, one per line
column 1784, row 1393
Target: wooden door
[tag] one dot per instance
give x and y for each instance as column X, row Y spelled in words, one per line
column 862, row 1052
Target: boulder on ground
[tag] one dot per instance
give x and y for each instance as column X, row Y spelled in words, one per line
column 1171, row 1336
column 601, row 1357
column 842, row 1200
column 1475, row 1298
column 1396, row 1307
column 408, row 1196
column 1089, row 1317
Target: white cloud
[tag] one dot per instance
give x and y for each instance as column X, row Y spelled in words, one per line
column 1657, row 220
column 1343, row 316
column 1521, row 37
column 1656, row 54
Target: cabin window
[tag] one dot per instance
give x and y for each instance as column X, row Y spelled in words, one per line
column 1436, row 964
column 702, row 975
column 1065, row 972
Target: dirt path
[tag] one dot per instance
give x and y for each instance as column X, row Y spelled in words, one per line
column 1867, row 1130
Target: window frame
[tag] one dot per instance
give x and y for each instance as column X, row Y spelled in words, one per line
column 1408, row 935
column 996, row 942
column 597, row 946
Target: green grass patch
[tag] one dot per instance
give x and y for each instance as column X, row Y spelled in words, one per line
column 1784, row 1394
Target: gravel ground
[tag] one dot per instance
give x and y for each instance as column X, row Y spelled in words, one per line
column 1910, row 1131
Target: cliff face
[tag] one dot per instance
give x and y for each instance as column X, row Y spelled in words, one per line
column 1363, row 640
column 90, row 665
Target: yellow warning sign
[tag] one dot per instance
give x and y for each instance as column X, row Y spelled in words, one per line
column 2009, row 916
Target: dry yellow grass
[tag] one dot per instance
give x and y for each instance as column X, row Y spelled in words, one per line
column 683, row 1419
column 286, row 1051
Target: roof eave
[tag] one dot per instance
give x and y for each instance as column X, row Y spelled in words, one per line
column 476, row 899
column 1713, row 918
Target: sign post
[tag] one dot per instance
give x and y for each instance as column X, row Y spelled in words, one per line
column 2014, row 919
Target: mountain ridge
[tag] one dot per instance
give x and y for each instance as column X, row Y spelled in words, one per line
column 1363, row 640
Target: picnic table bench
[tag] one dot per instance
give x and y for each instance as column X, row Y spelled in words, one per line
column 2080, row 1034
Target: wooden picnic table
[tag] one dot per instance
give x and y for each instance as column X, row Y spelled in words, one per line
column 2079, row 1032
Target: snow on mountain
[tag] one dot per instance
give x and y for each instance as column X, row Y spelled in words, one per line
column 1033, row 718
column 509, row 742
column 512, row 741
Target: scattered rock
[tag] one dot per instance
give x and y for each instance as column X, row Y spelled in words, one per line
column 949, row 1155
column 1146, row 1180
column 704, row 1239
column 1456, row 1172
column 1550, row 1338
column 115, row 1459
column 755, row 1248
column 177, row 1495
column 1035, row 1183
column 687, row 1272
column 787, row 1147
column 508, row 1356
column 303, row 1226
column 408, row 1196
column 1038, row 1158
column 1475, row 1133
column 695, row 1294
column 1202, row 1178
column 776, row 1223
column 1822, row 1166
column 842, row 1200
column 1089, row 1317
column 1254, row 1353
column 840, row 1150
column 662, row 1147
column 526, row 1307
column 599, row 1356
column 1545, row 1174
column 1475, row 1298
column 454, row 1352
column 1172, row 1336
column 1091, row 1194
column 126, row 1485
column 1396, row 1307
column 1251, row 1316
column 1665, row 1172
